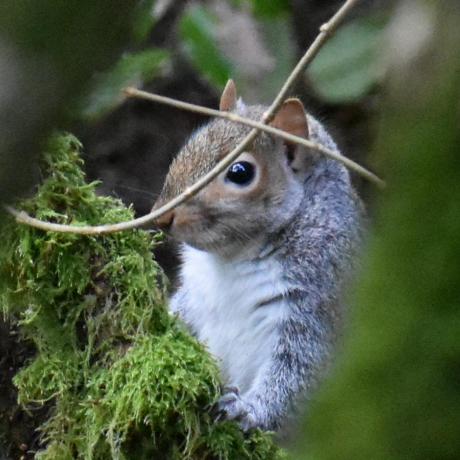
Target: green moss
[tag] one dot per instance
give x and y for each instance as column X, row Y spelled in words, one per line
column 120, row 377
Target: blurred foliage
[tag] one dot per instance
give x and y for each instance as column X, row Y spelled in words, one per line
column 266, row 41
column 134, row 67
column 277, row 35
column 346, row 69
column 131, row 70
column 144, row 20
column 74, row 37
column 264, row 9
column 396, row 392
column 270, row 9
column 349, row 65
column 53, row 49
column 120, row 378
column 197, row 29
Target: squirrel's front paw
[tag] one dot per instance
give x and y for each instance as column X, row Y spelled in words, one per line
column 231, row 406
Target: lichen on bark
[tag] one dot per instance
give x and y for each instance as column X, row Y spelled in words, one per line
column 117, row 375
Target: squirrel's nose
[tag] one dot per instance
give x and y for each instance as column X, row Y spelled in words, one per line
column 165, row 221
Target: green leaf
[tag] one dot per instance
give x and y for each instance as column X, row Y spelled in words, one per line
column 348, row 66
column 131, row 69
column 277, row 39
column 196, row 28
column 270, row 9
column 144, row 20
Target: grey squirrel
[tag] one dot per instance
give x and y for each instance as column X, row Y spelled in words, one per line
column 266, row 248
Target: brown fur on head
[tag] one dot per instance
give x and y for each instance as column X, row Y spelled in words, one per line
column 228, row 217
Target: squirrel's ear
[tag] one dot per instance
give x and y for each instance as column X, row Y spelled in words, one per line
column 228, row 98
column 291, row 118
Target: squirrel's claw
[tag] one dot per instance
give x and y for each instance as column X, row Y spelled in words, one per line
column 232, row 407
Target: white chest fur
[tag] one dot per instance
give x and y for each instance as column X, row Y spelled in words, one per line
column 234, row 308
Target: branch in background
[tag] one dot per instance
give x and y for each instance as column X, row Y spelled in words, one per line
column 326, row 31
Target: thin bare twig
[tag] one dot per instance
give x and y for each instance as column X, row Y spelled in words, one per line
column 325, row 32
column 350, row 164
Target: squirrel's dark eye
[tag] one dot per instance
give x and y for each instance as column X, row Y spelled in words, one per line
column 241, row 173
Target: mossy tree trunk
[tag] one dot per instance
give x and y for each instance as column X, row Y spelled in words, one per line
column 111, row 372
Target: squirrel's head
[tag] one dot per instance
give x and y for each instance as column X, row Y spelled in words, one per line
column 254, row 197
